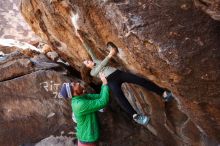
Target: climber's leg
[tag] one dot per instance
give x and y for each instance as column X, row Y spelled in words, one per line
column 132, row 78
column 114, row 82
column 120, row 98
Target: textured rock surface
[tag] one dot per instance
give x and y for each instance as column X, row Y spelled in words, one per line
column 211, row 7
column 56, row 141
column 172, row 43
column 30, row 109
column 12, row 24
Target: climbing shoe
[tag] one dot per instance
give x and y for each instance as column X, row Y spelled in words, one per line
column 141, row 119
column 168, row 96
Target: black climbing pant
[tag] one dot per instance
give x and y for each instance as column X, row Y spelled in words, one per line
column 118, row 77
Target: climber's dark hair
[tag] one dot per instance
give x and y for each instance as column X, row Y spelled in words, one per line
column 110, row 44
column 85, row 73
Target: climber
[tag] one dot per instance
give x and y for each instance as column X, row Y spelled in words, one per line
column 84, row 107
column 116, row 77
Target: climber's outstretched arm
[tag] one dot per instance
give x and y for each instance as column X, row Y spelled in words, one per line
column 103, row 63
column 86, row 45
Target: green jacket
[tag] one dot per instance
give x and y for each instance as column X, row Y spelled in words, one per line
column 84, row 108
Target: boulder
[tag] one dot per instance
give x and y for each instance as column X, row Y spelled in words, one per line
column 30, row 107
column 32, row 113
column 173, row 44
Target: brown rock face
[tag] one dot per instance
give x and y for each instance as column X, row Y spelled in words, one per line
column 29, row 105
column 31, row 110
column 171, row 43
